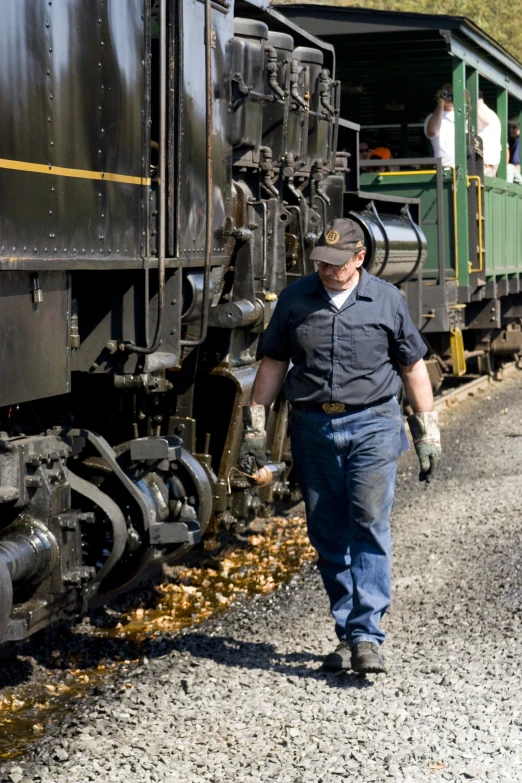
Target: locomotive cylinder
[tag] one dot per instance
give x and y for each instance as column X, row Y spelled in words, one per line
column 314, row 133
column 248, row 71
column 395, row 246
column 278, row 51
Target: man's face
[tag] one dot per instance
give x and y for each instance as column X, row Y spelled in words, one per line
column 336, row 277
column 514, row 130
column 364, row 151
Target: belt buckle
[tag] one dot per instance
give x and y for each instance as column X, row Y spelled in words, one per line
column 333, row 407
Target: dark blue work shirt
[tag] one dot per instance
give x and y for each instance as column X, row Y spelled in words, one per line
column 349, row 355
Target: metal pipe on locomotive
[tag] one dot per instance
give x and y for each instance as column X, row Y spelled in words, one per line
column 153, row 209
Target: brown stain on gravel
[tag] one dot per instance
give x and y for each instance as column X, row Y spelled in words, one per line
column 270, row 559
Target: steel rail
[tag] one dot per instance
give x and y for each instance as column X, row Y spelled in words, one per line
column 449, row 398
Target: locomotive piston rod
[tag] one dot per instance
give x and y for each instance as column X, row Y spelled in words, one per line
column 28, row 553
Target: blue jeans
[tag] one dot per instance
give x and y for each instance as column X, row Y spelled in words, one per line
column 346, row 466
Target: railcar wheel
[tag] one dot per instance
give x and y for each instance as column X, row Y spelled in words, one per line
column 484, row 364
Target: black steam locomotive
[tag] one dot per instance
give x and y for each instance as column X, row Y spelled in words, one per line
column 166, row 167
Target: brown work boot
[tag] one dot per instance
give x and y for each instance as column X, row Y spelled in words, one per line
column 340, row 659
column 366, row 658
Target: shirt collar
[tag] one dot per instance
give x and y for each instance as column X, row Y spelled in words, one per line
column 363, row 290
column 364, row 285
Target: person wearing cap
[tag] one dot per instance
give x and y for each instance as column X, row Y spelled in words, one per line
column 382, row 153
column 351, row 344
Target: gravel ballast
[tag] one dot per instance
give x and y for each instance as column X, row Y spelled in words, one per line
column 243, row 698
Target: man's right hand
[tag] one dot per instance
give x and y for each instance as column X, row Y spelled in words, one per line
column 252, row 454
column 424, row 428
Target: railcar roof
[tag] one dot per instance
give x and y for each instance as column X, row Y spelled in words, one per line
column 333, row 20
column 390, row 63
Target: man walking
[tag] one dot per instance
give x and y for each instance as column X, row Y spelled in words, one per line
column 352, row 344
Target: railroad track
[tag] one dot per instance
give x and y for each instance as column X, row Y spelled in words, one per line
column 468, row 389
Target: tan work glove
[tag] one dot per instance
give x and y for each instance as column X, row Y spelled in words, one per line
column 252, row 453
column 424, row 428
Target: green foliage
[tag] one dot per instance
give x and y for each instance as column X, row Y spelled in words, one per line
column 497, row 19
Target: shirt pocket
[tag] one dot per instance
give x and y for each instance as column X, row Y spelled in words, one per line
column 370, row 347
column 311, row 341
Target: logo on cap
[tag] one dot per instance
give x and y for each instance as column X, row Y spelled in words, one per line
column 332, row 237
column 359, row 243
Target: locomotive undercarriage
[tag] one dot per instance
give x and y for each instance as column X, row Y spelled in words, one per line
column 114, row 459
column 100, row 485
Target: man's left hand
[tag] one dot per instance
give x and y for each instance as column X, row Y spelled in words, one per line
column 252, row 453
column 424, row 428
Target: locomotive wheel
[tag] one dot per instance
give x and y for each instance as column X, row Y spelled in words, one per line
column 181, row 491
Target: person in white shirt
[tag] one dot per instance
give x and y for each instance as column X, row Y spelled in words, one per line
column 439, row 126
column 490, row 131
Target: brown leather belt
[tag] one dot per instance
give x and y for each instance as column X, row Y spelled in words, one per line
column 336, row 407
column 327, row 407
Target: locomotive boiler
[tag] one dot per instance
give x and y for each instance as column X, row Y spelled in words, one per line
column 166, row 167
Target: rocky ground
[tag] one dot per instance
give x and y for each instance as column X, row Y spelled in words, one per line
column 243, row 697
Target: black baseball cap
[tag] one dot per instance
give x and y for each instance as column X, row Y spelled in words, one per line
column 342, row 238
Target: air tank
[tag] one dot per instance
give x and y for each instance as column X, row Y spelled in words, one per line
column 396, row 247
column 278, row 50
column 248, row 76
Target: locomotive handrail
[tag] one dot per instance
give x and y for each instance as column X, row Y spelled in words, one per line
column 455, row 224
column 405, row 173
column 210, row 185
column 145, row 350
column 335, row 130
column 480, row 233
